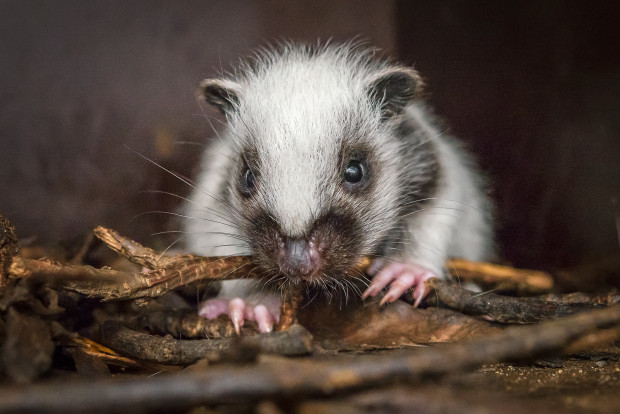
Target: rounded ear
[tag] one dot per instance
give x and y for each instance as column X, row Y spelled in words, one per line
column 221, row 93
column 393, row 88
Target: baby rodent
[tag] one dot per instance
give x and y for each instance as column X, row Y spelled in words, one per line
column 329, row 154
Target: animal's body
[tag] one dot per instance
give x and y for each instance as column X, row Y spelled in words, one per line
column 329, row 155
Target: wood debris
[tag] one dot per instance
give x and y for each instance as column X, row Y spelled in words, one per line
column 305, row 377
column 105, row 321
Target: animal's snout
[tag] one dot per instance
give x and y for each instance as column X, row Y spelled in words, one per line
column 298, row 257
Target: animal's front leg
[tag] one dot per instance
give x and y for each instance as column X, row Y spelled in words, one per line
column 400, row 276
column 424, row 250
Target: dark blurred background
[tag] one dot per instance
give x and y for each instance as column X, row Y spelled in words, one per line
column 533, row 87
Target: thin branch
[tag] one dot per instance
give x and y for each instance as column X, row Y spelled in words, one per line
column 172, row 272
column 522, row 281
column 165, row 350
column 108, row 285
column 505, row 309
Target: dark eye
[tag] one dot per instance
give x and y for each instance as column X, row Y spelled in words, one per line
column 247, row 183
column 354, row 172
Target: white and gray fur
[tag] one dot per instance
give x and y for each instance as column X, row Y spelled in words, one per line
column 295, row 114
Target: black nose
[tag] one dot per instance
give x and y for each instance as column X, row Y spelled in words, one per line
column 297, row 257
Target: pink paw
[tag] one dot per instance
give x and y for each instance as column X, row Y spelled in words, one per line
column 264, row 309
column 400, row 277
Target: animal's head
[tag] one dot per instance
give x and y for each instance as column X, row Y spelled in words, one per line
column 318, row 173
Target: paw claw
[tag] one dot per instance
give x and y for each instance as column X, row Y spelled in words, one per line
column 264, row 309
column 236, row 310
column 382, row 279
column 400, row 277
column 419, row 293
column 263, row 318
column 387, row 298
column 370, row 291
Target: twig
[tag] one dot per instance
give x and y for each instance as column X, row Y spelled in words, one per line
column 171, row 272
column 133, row 250
column 291, row 302
column 165, row 350
column 306, row 377
column 500, row 308
column 607, row 299
column 186, row 324
column 522, row 281
column 108, row 285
